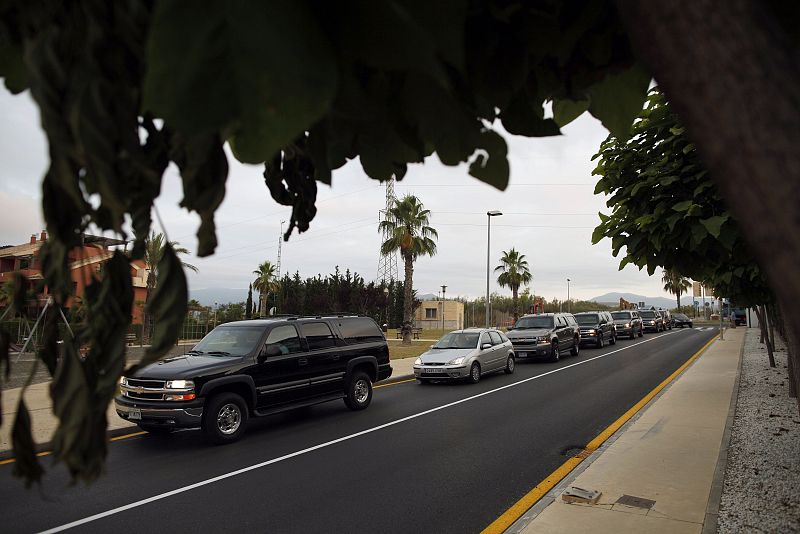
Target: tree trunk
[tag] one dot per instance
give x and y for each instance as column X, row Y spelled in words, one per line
column 147, row 328
column 731, row 74
column 678, row 298
column 408, row 303
column 762, row 321
column 514, row 295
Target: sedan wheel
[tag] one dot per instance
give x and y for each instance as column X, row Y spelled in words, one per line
column 509, row 365
column 475, row 373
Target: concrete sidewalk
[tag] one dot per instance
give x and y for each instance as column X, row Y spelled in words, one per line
column 668, row 456
column 43, row 422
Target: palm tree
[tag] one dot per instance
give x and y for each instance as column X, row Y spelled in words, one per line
column 265, row 283
column 675, row 283
column 514, row 272
column 153, row 252
column 407, row 222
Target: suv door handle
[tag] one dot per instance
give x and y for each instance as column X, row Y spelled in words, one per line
column 302, row 361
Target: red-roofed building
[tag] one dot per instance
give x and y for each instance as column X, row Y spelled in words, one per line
column 85, row 263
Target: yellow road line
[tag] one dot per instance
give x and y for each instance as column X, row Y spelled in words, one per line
column 394, row 383
column 540, row 490
column 48, row 453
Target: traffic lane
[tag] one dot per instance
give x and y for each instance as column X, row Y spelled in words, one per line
column 436, row 453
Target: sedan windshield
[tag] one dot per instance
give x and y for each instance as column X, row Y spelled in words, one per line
column 543, row 321
column 648, row 314
column 621, row 316
column 590, row 318
column 229, row 341
column 458, row 340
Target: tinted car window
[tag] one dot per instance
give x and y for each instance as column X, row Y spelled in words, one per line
column 359, row 330
column 543, row 321
column 495, row 338
column 589, row 318
column 318, row 335
column 285, row 338
column 624, row 316
column 648, row 314
column 229, row 340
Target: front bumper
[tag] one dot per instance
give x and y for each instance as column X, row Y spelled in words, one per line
column 166, row 413
column 539, row 350
column 441, row 372
column 622, row 331
column 590, row 336
column 651, row 327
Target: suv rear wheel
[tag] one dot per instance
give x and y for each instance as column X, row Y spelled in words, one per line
column 359, row 391
column 224, row 418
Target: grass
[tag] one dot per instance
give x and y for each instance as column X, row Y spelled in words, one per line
column 398, row 351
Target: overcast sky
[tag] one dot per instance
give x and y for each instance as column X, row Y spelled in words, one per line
column 549, row 212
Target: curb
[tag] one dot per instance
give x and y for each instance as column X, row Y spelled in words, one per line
column 394, row 379
column 717, row 485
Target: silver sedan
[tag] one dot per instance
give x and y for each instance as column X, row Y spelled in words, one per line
column 466, row 354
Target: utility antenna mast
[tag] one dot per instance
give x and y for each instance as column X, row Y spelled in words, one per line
column 387, row 263
column 280, row 242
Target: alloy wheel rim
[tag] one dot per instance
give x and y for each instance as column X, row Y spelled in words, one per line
column 229, row 419
column 476, row 372
column 361, row 391
column 510, row 364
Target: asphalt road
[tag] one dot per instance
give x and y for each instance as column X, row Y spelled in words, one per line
column 438, row 458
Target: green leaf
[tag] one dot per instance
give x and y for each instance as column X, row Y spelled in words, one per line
column 618, row 99
column 12, row 67
column 525, row 117
column 491, row 167
column 26, row 464
column 167, row 306
column 262, row 71
column 682, row 206
column 713, row 224
column 566, row 111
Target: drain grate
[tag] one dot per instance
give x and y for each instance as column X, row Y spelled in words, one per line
column 636, row 502
column 571, row 450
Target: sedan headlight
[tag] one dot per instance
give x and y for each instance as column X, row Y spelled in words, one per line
column 456, row 361
column 418, row 361
column 179, row 384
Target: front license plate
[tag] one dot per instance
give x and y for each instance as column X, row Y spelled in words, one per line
column 434, row 370
column 522, row 354
column 135, row 414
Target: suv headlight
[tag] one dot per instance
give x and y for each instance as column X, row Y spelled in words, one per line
column 543, row 339
column 627, row 325
column 456, row 361
column 123, row 381
column 179, row 384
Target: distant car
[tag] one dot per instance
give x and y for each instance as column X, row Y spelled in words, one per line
column 680, row 320
column 466, row 354
column 596, row 328
column 628, row 323
column 545, row 335
column 651, row 321
column 740, row 316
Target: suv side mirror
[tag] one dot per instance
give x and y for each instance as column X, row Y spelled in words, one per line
column 268, row 351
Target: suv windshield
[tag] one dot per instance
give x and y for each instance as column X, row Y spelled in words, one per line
column 680, row 316
column 621, row 316
column 543, row 321
column 229, row 341
column 589, row 318
column 458, row 340
column 648, row 314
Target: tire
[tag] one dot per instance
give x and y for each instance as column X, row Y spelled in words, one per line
column 641, row 332
column 633, row 333
column 576, row 347
column 613, row 340
column 358, row 394
column 156, row 430
column 600, row 341
column 510, row 365
column 555, row 355
column 224, row 418
column 474, row 373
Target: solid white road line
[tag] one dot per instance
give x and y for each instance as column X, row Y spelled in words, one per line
column 332, row 442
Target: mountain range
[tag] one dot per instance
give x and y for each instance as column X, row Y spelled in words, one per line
column 612, row 299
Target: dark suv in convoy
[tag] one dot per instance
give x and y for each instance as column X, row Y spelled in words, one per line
column 628, row 323
column 255, row 368
column 651, row 320
column 545, row 335
column 596, row 328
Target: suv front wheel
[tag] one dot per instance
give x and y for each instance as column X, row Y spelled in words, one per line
column 225, row 418
column 576, row 346
column 359, row 391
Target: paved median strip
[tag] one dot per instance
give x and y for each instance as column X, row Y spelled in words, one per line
column 516, row 511
column 326, row 444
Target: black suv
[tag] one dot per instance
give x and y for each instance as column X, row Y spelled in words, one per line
column 254, row 368
column 651, row 320
column 546, row 334
column 596, row 328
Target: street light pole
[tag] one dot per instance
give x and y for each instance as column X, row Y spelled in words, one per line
column 569, row 308
column 443, row 305
column 489, row 215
